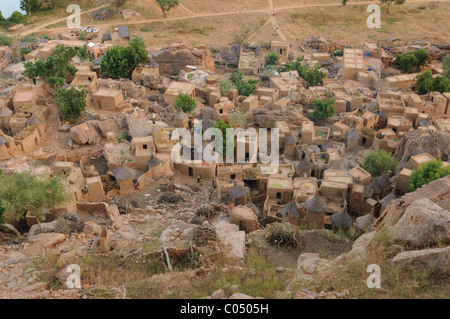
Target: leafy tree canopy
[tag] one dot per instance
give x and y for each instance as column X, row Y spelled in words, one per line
column 411, row 62
column 379, row 162
column 322, row 109
column 314, row 76
column 186, row 103
column 427, row 173
column 271, row 59
column 166, row 5
column 22, row 192
column 71, row 102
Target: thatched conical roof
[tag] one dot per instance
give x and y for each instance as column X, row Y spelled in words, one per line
column 342, row 220
column 253, row 208
column 153, row 161
column 123, row 173
column 238, row 191
column 365, row 222
column 290, row 140
column 226, row 199
column 305, row 164
column 383, row 181
column 5, row 112
column 386, row 200
column 353, row 135
column 383, row 114
column 181, row 115
column 327, row 145
column 374, row 186
column 316, row 205
column 290, row 208
column 368, row 192
column 34, row 120
column 2, row 140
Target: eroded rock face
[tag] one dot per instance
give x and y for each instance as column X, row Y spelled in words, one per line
column 423, row 224
column 176, row 57
column 310, row 264
column 422, row 141
column 438, row 190
column 437, row 260
column 360, row 248
column 231, row 237
column 86, row 133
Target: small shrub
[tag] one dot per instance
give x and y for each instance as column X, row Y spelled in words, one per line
column 427, row 173
column 322, row 109
column 271, row 59
column 186, row 103
column 379, row 162
column 225, row 86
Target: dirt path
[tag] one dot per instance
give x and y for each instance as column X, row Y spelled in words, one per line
column 42, row 26
column 267, row 10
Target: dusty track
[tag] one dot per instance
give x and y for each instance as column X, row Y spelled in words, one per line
column 268, row 10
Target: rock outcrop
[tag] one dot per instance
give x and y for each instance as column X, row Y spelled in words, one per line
column 421, row 141
column 423, row 224
column 86, row 133
column 436, row 260
column 176, row 57
column 438, row 191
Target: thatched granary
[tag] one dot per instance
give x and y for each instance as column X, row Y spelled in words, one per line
column 124, row 176
column 315, row 212
column 342, row 219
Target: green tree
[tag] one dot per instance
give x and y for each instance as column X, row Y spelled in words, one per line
column 271, row 59
column 30, row 6
column 314, row 76
column 446, row 66
column 166, row 5
column 71, row 102
column 245, row 87
column 119, row 62
column 389, row 3
column 322, row 109
column 379, row 162
column 138, row 50
column 427, row 173
column 412, row 61
column 185, row 102
column 16, row 17
column 344, row 2
column 225, row 86
column 56, row 68
column 2, row 19
column 441, row 84
column 228, row 139
column 425, row 82
column 22, row 192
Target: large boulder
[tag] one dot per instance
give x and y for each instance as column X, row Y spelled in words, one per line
column 438, row 190
column 437, row 260
column 108, row 126
column 86, row 133
column 360, row 249
column 422, row 141
column 423, row 224
column 176, row 57
column 232, row 238
column 138, row 124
